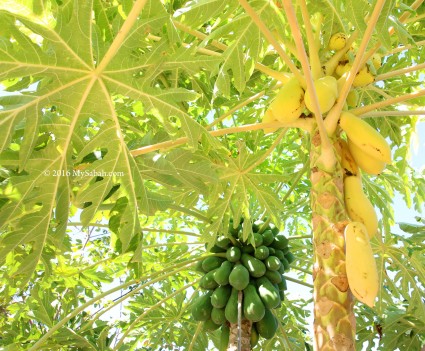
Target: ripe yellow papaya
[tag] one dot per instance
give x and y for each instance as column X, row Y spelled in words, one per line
column 348, row 163
column 358, row 206
column 365, row 137
column 289, row 102
column 267, row 118
column 362, row 273
column 327, row 92
column 366, row 162
column 337, row 41
column 363, row 78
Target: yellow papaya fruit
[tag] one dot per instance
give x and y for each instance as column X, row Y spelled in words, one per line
column 362, row 274
column 327, row 92
column 289, row 102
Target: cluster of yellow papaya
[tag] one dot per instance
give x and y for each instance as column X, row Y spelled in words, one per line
column 291, row 100
column 366, row 74
column 365, row 150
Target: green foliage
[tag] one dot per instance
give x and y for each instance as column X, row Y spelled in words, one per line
column 98, row 243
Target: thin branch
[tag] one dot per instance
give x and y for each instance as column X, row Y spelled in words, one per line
column 399, row 72
column 328, row 156
column 303, row 123
column 234, row 109
column 298, row 282
column 333, row 115
column 301, row 270
column 299, row 237
column 406, row 47
column 364, row 109
column 394, row 113
column 272, row 40
column 121, row 35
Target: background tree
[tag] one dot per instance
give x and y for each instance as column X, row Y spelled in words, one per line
column 131, row 135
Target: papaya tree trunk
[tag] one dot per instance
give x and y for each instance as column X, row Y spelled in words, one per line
column 245, row 336
column 334, row 321
column 240, row 339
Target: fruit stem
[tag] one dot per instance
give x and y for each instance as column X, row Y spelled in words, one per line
column 272, row 40
column 333, row 115
column 313, row 50
column 328, row 156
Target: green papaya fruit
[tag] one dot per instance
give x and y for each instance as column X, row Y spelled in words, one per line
column 221, row 274
column 282, row 285
column 207, row 281
column 198, row 267
column 274, row 229
column 254, row 337
column 261, row 252
column 268, row 293
column 253, row 307
column 290, row 257
column 233, row 254
column 231, row 310
column 279, row 254
column 247, row 249
column 285, row 264
column 223, row 242
column 239, row 277
column 272, row 263
column 274, row 276
column 224, row 337
column 280, row 242
column 272, row 251
column 209, row 325
column 211, row 263
column 220, row 296
column 255, row 267
column 256, row 226
column 267, row 326
column 218, row 316
column 202, row 307
column 258, row 239
column 268, row 237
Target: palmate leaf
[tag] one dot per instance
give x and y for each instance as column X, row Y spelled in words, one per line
column 56, row 59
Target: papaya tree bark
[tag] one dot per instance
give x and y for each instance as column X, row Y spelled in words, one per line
column 246, row 326
column 334, row 321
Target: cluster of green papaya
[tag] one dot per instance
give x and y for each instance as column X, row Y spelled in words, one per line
column 256, row 268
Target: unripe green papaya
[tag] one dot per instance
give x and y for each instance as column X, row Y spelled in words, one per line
column 239, row 277
column 253, row 307
column 268, row 293
column 209, row 325
column 231, row 310
column 224, row 337
column 211, row 263
column 233, row 254
column 267, row 326
column 218, row 316
column 207, row 281
column 220, row 296
column 261, row 252
column 274, row 276
column 268, row 237
column 255, row 267
column 254, row 337
column 221, row 275
column 202, row 307
column 272, row 263
column 280, row 242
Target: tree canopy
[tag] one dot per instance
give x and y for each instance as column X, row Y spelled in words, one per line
column 131, row 133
